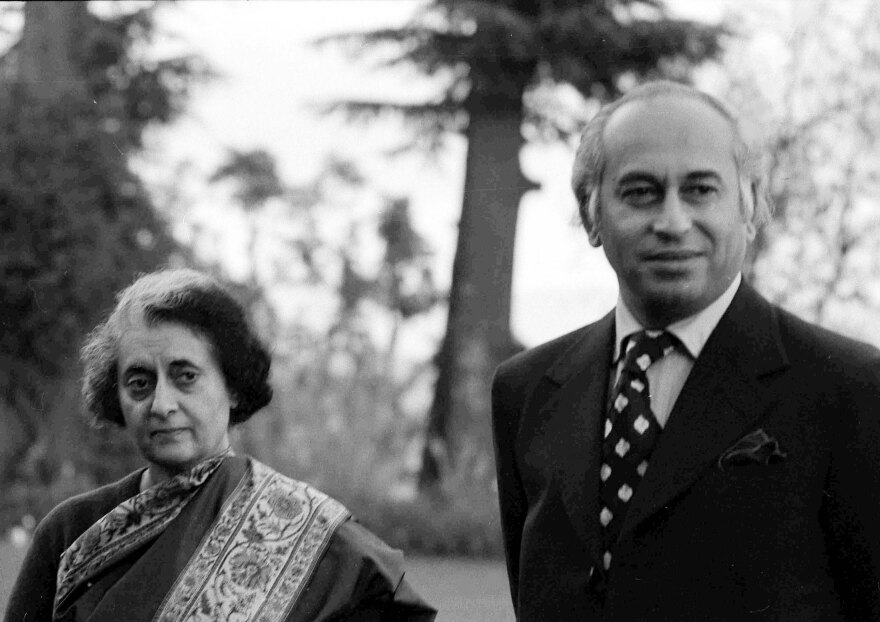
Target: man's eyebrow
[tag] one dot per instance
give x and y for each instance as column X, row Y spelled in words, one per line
column 708, row 173
column 635, row 176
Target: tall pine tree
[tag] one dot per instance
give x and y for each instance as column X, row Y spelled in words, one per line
column 489, row 56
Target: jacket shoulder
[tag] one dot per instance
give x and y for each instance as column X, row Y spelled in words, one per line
column 833, row 350
column 539, row 358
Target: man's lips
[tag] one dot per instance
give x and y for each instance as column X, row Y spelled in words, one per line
column 677, row 255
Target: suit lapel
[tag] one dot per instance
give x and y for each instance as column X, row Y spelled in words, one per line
column 721, row 400
column 574, row 420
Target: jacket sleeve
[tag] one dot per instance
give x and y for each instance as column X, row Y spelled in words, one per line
column 851, row 501
column 511, row 496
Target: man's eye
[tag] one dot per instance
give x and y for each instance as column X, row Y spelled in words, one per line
column 699, row 192
column 639, row 195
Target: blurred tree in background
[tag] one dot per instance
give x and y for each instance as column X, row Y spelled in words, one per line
column 818, row 104
column 500, row 66
column 76, row 225
column 347, row 410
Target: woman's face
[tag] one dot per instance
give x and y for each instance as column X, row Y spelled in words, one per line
column 173, row 396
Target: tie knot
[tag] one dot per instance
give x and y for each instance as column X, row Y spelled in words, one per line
column 644, row 348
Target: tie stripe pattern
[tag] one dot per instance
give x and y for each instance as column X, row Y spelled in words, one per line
column 631, row 429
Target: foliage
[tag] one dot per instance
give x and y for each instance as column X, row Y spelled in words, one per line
column 128, row 87
column 820, row 114
column 255, row 176
column 492, row 53
column 402, row 282
column 348, row 409
column 76, row 226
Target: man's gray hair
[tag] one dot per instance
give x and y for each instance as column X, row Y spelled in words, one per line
column 589, row 162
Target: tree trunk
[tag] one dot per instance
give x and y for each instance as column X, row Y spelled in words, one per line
column 51, row 48
column 478, row 327
column 49, row 75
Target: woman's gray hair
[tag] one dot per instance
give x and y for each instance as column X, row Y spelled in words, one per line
column 590, row 159
column 198, row 302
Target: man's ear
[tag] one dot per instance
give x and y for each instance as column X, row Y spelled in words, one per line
column 751, row 228
column 591, row 219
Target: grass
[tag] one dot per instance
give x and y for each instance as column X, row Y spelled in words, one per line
column 463, row 590
column 10, row 559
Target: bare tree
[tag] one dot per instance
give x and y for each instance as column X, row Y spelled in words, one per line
column 819, row 103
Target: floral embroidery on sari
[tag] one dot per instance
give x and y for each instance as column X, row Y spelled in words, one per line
column 126, row 527
column 259, row 555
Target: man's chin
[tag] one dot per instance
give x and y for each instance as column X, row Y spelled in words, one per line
column 675, row 301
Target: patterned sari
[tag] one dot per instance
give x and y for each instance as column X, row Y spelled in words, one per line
column 229, row 540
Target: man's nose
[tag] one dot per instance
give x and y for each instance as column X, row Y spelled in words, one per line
column 164, row 398
column 674, row 218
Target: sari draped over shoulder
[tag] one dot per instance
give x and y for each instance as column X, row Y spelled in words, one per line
column 231, row 539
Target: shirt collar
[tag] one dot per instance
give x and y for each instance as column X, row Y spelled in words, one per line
column 693, row 331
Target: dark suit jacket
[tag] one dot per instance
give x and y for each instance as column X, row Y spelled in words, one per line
column 705, row 538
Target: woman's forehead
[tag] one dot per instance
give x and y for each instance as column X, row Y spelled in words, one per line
column 162, row 343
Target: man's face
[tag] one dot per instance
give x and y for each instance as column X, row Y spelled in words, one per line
column 669, row 213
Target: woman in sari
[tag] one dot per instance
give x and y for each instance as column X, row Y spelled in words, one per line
column 200, row 533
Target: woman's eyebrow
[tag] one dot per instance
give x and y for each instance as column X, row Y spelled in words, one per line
column 182, row 362
column 136, row 368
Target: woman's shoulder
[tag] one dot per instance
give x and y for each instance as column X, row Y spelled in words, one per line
column 357, row 572
column 74, row 515
column 364, row 544
column 381, row 576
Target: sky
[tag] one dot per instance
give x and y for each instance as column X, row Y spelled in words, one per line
column 273, row 79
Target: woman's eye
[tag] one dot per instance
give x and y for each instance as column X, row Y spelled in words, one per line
column 139, row 386
column 187, row 377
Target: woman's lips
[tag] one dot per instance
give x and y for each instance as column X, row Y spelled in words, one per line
column 167, row 432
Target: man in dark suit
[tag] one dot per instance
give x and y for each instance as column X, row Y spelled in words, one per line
column 698, row 453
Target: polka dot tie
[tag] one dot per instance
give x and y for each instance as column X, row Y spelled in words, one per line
column 631, row 429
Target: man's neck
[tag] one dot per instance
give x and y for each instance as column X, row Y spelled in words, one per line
column 693, row 330
column 660, row 315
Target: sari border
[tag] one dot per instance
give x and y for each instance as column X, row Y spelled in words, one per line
column 128, row 526
column 278, row 606
column 240, row 488
column 260, row 553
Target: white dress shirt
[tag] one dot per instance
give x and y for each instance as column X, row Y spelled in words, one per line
column 667, row 376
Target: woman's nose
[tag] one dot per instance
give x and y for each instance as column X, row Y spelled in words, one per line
column 164, row 398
